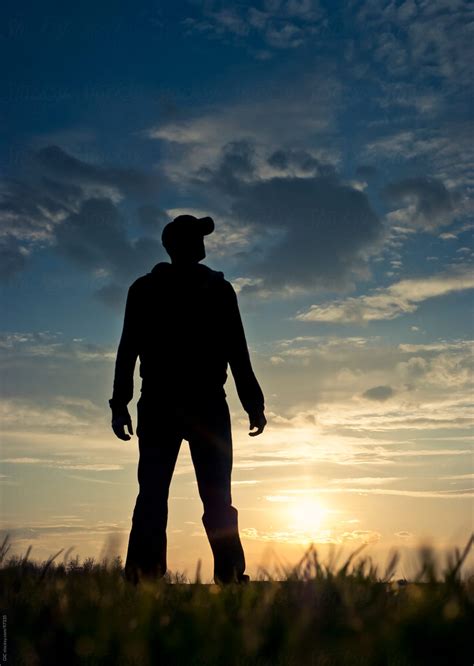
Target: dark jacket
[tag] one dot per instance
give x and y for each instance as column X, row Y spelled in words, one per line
column 184, row 324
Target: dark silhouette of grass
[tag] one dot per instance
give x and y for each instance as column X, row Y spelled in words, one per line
column 314, row 613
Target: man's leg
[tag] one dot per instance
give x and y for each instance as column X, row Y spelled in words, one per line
column 159, row 442
column 210, row 442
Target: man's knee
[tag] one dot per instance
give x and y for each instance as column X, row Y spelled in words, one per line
column 152, row 493
column 222, row 516
column 216, row 499
column 151, row 509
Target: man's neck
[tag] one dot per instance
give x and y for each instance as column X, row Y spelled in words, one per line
column 185, row 265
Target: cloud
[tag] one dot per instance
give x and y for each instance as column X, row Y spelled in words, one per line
column 70, row 205
column 276, row 24
column 320, row 382
column 113, row 295
column 403, row 534
column 423, row 99
column 60, row 530
column 255, row 164
column 366, row 171
column 460, row 477
column 29, row 212
column 152, row 219
column 321, row 536
column 63, row 464
column 48, row 414
column 54, row 184
column 436, row 346
column 299, row 163
column 254, row 160
column 89, row 479
column 297, row 117
column 66, row 168
column 365, row 536
column 95, row 238
column 322, row 229
column 445, row 152
column 12, row 257
column 433, row 494
column 379, row 393
column 429, row 204
column 417, row 38
column 44, row 371
column 387, row 303
column 236, row 165
column 366, row 480
column 30, row 208
column 426, row 411
column 328, row 227
column 280, row 119
column 44, row 344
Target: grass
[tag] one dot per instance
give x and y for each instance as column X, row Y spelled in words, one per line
column 86, row 613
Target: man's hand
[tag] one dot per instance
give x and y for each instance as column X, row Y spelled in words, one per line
column 118, row 425
column 257, row 421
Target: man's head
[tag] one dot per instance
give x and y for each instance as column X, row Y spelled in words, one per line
column 183, row 238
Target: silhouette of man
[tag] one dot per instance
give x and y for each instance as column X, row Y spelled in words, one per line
column 182, row 320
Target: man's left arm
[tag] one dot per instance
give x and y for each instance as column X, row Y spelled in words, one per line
column 248, row 388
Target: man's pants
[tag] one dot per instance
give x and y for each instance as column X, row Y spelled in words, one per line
column 161, row 427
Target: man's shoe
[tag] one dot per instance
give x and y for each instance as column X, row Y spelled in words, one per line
column 131, row 576
column 240, row 579
column 136, row 575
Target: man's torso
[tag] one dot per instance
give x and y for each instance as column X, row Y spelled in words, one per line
column 182, row 331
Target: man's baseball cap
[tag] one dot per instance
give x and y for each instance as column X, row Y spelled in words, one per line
column 186, row 227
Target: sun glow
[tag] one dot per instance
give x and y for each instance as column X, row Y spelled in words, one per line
column 306, row 515
column 305, row 518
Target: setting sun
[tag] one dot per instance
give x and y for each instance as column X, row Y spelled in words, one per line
column 307, row 515
column 305, row 519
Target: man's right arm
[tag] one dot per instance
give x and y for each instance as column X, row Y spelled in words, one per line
column 127, row 354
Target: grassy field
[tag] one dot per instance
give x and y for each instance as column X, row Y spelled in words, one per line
column 86, row 613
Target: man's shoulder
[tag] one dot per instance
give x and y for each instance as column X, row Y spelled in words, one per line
column 218, row 280
column 163, row 274
column 140, row 283
column 211, row 272
column 213, row 277
column 159, row 271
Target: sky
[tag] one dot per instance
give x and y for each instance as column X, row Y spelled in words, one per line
column 331, row 143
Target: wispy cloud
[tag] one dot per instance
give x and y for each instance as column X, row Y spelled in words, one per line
column 274, row 120
column 367, row 480
column 35, row 530
column 70, row 206
column 301, row 536
column 63, row 464
column 277, row 25
column 428, row 204
column 289, row 495
column 403, row 297
column 47, row 344
column 90, row 479
column 50, row 414
column 433, row 494
column 416, row 38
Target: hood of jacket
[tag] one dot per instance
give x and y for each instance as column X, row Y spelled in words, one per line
column 196, row 274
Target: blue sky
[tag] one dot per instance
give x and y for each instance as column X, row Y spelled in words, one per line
column 331, row 142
